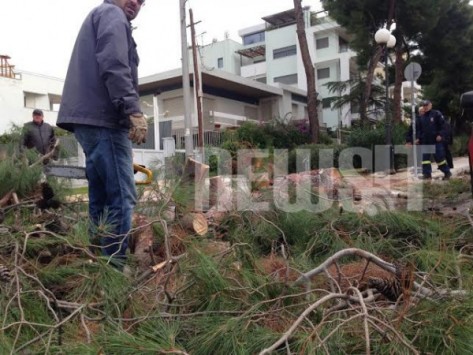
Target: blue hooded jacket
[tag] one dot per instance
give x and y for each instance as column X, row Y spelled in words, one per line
column 101, row 86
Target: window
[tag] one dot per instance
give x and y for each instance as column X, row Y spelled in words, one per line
column 342, row 45
column 220, row 63
column 54, row 102
column 323, row 73
column 32, row 100
column 284, row 52
column 286, row 79
column 326, row 103
column 254, row 38
column 321, row 43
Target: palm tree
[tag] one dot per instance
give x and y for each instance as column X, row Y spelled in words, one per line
column 351, row 92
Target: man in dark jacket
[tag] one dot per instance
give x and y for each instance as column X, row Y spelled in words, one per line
column 100, row 104
column 447, row 142
column 432, row 132
column 38, row 134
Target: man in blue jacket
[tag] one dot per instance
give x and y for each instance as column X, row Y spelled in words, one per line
column 100, row 104
column 432, row 132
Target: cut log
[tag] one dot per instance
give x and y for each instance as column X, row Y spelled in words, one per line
column 195, row 222
column 220, row 195
column 195, row 171
column 216, row 186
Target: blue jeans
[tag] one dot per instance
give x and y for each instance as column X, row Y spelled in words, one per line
column 112, row 192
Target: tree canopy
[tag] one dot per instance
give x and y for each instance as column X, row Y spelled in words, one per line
column 436, row 33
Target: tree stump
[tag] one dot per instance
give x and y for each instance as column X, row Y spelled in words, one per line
column 220, row 195
column 194, row 176
column 196, row 223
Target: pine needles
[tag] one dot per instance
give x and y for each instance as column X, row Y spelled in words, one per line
column 233, row 290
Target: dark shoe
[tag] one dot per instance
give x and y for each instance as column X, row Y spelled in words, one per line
column 447, row 176
column 425, row 177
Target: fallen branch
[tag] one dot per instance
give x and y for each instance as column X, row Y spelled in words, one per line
column 47, row 155
column 342, row 253
column 421, row 291
column 6, row 198
column 365, row 318
column 304, row 314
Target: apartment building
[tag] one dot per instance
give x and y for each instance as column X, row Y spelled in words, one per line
column 270, row 53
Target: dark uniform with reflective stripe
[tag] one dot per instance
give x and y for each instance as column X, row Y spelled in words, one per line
column 432, row 125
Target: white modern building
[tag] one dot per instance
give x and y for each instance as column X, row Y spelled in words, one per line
column 270, row 53
column 227, row 100
column 22, row 92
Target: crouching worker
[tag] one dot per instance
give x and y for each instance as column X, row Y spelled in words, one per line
column 100, row 104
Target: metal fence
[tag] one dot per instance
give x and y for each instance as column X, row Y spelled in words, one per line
column 211, row 138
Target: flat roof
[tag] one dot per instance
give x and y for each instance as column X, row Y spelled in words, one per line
column 284, row 18
column 217, row 79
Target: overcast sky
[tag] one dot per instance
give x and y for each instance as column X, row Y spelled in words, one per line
column 39, row 35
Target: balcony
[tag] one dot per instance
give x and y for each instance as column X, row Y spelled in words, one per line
column 254, row 70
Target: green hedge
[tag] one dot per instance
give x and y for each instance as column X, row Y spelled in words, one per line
column 370, row 137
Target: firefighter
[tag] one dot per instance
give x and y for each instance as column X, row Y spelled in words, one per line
column 432, row 132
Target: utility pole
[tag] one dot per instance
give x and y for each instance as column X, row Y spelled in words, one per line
column 197, row 87
column 189, row 142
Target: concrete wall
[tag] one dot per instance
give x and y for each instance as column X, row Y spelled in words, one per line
column 226, row 50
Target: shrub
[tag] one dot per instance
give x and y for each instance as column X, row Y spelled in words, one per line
column 271, row 135
column 370, row 137
column 460, row 145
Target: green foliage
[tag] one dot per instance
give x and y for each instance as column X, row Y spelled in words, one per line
column 152, row 337
column 370, row 137
column 447, row 330
column 446, row 71
column 460, row 145
column 17, row 175
column 353, row 96
column 440, row 34
column 275, row 134
column 12, row 137
column 228, row 292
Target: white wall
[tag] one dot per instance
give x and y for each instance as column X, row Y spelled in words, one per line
column 224, row 49
column 275, row 39
column 37, row 88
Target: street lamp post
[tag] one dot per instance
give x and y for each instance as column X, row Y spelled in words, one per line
column 384, row 37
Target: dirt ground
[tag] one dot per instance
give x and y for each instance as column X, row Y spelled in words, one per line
column 405, row 191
